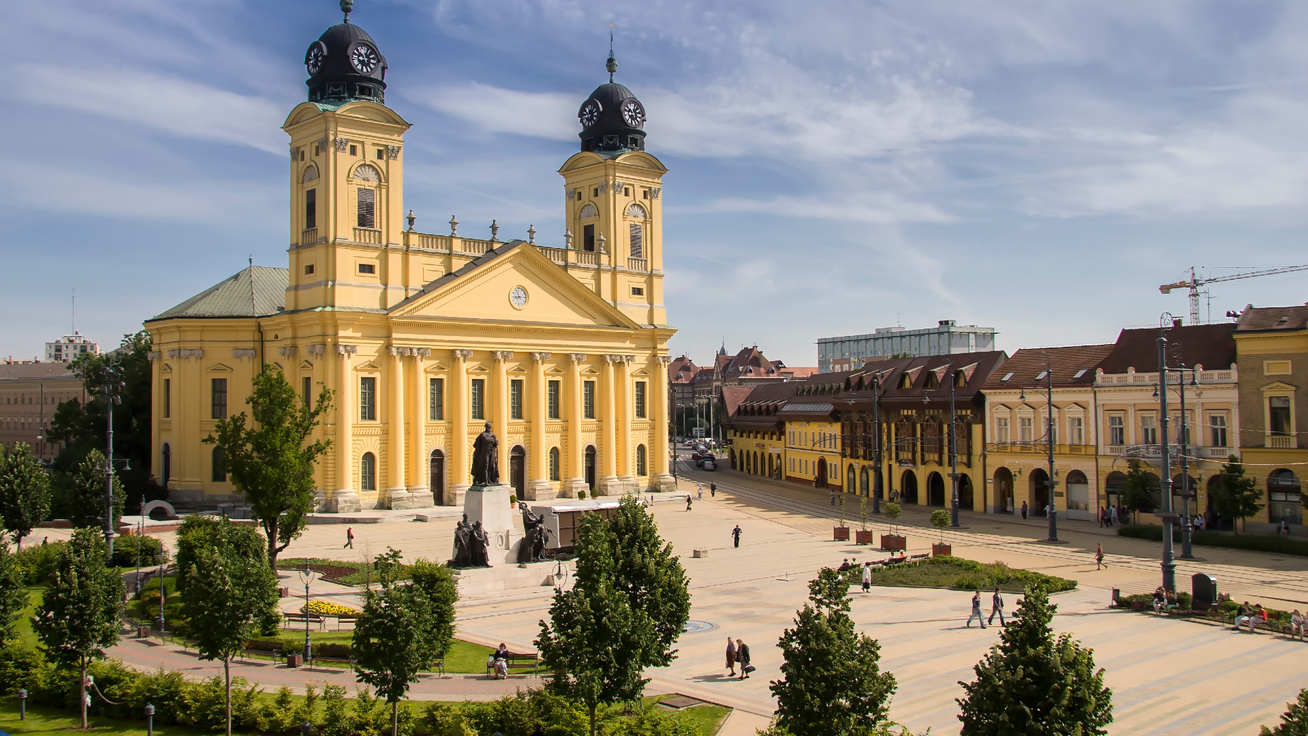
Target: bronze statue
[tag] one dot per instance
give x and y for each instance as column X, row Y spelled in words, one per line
column 532, row 547
column 486, row 459
column 462, row 544
column 479, row 546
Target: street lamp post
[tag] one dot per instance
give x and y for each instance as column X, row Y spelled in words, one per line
column 162, row 593
column 953, row 451
column 112, row 389
column 1049, row 437
column 1169, row 560
column 306, row 576
column 876, row 441
column 1186, row 527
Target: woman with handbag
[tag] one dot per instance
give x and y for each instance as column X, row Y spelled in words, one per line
column 742, row 658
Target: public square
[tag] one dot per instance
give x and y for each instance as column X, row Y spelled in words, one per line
column 1168, row 676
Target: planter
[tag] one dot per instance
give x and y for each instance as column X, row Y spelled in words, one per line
column 283, row 592
column 1139, row 605
column 841, row 533
column 863, row 536
column 940, row 549
column 894, row 542
column 143, row 632
column 294, row 659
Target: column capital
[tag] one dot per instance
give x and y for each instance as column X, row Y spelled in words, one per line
column 396, row 351
column 421, row 352
column 287, row 351
column 502, row 355
column 664, row 359
column 615, row 358
column 460, row 354
column 540, row 357
column 244, row 352
column 154, row 355
column 343, row 350
column 577, row 357
column 316, row 349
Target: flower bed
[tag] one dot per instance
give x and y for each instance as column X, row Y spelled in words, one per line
column 327, row 608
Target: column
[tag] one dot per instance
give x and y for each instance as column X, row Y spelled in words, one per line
column 659, row 478
column 396, row 495
column 458, row 406
column 499, row 409
column 419, row 494
column 625, row 410
column 345, row 499
column 608, row 450
column 539, row 487
column 576, row 464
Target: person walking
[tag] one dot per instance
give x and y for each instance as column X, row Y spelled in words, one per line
column 349, row 537
column 976, row 611
column 867, row 577
column 1099, row 556
column 713, row 490
column 688, row 499
column 1024, row 509
column 996, row 607
column 735, row 536
column 699, row 492
column 742, row 658
column 731, row 657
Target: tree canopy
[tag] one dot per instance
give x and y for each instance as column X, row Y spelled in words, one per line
column 1233, row 494
column 1294, row 721
column 1031, row 684
column 270, row 456
column 1140, row 490
column 86, row 507
column 24, row 491
column 831, row 682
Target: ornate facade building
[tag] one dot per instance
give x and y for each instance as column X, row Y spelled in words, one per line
column 424, row 337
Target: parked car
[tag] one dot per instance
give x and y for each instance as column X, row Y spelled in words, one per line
column 708, row 464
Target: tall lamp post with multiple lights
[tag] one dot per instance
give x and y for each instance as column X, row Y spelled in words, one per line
column 1167, row 514
column 113, row 387
column 1049, row 445
column 307, row 576
column 1183, row 441
column 876, row 441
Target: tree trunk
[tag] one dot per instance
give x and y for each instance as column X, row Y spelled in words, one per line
column 81, row 698
column 271, row 529
column 395, row 718
column 591, row 706
column 227, row 691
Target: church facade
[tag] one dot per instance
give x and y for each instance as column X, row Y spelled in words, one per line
column 425, row 338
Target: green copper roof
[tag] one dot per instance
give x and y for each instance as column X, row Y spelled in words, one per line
column 257, row 291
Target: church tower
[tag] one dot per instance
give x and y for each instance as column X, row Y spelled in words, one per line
column 613, row 193
column 347, row 178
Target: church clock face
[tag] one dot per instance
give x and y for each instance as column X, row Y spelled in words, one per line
column 313, row 60
column 518, row 297
column 589, row 113
column 363, row 59
column 633, row 114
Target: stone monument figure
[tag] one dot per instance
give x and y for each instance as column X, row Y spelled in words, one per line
column 532, row 547
column 479, row 546
column 486, row 459
column 462, row 543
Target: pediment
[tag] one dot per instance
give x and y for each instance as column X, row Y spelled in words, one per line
column 517, row 369
column 555, row 371
column 369, row 367
column 306, row 365
column 589, row 371
column 167, row 368
column 1277, row 386
column 437, row 367
column 220, row 368
column 483, row 291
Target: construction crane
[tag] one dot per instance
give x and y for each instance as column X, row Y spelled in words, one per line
column 1194, row 282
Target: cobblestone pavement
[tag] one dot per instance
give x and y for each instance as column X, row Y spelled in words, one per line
column 1168, row 676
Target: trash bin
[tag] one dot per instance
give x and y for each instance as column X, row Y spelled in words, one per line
column 1203, row 587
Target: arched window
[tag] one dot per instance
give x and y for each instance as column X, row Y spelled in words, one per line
column 368, row 472
column 587, row 211
column 219, row 473
column 554, row 463
column 366, row 173
column 640, row 460
column 310, row 174
column 635, row 211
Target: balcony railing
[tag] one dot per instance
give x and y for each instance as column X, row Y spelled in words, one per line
column 476, row 247
column 433, row 242
column 369, row 235
column 1280, row 441
column 1042, row 448
column 309, row 236
column 558, row 255
column 588, row 258
column 637, row 264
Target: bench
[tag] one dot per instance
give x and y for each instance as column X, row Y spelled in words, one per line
column 516, row 661
column 341, row 619
column 300, row 618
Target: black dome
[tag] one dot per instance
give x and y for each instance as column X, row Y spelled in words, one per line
column 612, row 119
column 345, row 65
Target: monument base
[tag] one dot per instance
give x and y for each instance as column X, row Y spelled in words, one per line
column 490, row 505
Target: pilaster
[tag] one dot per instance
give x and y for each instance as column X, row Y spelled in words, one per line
column 397, row 496
column 539, row 487
column 419, row 493
column 608, row 483
column 345, row 499
column 659, row 478
column 459, row 409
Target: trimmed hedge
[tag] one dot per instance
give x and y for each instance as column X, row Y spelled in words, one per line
column 946, row 571
column 125, row 550
column 37, row 562
column 1254, row 542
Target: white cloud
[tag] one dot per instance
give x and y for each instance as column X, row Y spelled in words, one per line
column 495, row 111
column 866, row 207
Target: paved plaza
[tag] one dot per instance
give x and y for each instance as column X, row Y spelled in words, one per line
column 1168, row 676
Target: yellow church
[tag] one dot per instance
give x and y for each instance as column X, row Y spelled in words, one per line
column 424, row 338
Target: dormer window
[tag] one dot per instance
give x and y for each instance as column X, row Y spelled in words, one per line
column 906, row 381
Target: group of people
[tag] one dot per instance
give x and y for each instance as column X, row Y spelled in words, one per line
column 1112, row 514
column 738, row 654
column 996, row 609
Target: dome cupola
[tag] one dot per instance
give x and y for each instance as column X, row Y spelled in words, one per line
column 612, row 119
column 345, row 65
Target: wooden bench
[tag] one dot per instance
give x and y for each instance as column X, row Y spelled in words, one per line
column 341, row 619
column 300, row 618
column 516, row 661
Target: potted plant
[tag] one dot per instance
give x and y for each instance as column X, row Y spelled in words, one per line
column 893, row 541
column 841, row 533
column 940, row 520
column 581, row 495
column 864, row 535
column 513, row 500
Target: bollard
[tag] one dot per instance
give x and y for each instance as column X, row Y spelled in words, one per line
column 22, row 704
column 306, row 728
column 149, row 720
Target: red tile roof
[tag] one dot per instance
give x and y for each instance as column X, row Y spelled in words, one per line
column 1259, row 319
column 1072, row 365
column 681, row 370
column 1211, row 346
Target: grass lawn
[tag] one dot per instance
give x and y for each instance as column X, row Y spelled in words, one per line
column 51, row 720
column 961, row 574
column 26, row 636
column 345, row 572
column 463, row 657
column 706, row 718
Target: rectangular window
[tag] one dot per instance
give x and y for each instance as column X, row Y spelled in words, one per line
column 1116, row 430
column 219, row 474
column 306, row 390
column 1217, row 430
column 367, row 208
column 1180, row 428
column 1278, row 414
column 1001, row 429
column 435, row 399
column 1025, row 425
column 1148, row 429
column 167, row 398
column 354, row 150
column 219, row 405
column 308, row 270
column 368, row 399
column 638, row 291
column 552, row 399
column 381, row 153
column 588, row 399
column 637, row 240
column 515, row 399
column 311, row 209
column 588, row 237
column 478, row 398
column 1076, row 430
column 367, row 268
column 640, row 399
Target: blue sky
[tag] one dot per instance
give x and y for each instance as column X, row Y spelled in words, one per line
column 835, row 166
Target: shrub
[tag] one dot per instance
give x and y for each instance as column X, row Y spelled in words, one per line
column 125, row 550
column 285, row 644
column 1208, row 538
column 37, row 562
column 331, row 650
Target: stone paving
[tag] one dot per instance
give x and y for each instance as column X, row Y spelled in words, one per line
column 1168, row 676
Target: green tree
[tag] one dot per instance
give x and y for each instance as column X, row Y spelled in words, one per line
column 24, row 492
column 1031, row 684
column 437, row 584
column 831, row 682
column 650, row 574
column 595, row 640
column 1234, row 495
column 1294, row 721
column 79, row 613
column 229, row 590
column 392, row 643
column 271, row 461
column 86, row 502
column 81, row 427
column 13, row 594
column 1140, row 491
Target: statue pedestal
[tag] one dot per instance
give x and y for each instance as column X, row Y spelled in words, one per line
column 490, row 506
